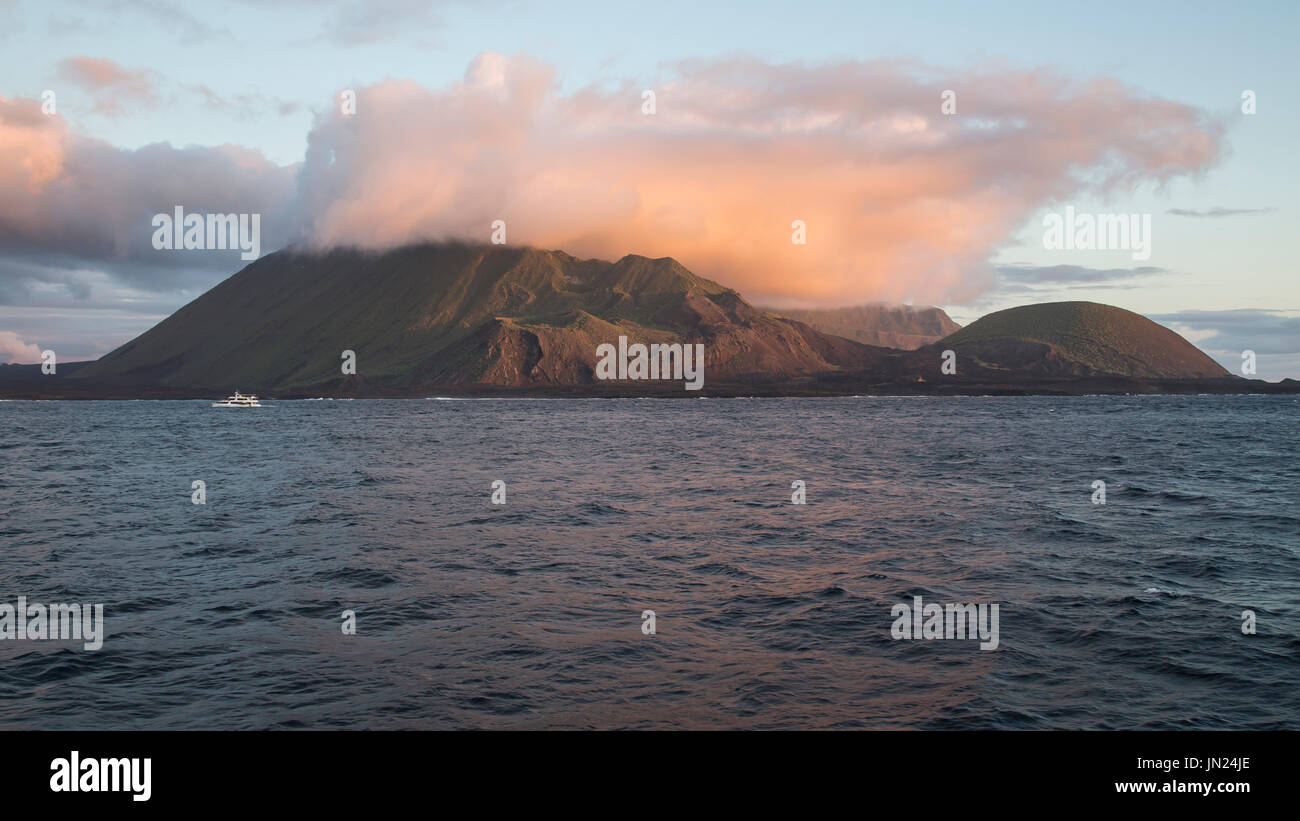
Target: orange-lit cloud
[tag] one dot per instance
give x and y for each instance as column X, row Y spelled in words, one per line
column 14, row 351
column 116, row 88
column 31, row 149
column 900, row 200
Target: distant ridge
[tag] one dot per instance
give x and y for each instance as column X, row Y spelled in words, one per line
column 903, row 327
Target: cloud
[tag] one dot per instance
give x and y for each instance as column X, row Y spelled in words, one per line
column 1274, row 336
column 1262, row 331
column 374, row 21
column 1073, row 274
column 68, row 203
column 350, row 23
column 1219, row 212
column 113, row 85
column 901, row 203
column 16, row 352
column 244, row 105
column 174, row 17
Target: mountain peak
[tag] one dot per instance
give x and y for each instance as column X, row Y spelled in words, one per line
column 636, row 274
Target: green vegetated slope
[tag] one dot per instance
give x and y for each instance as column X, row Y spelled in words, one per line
column 457, row 314
column 1079, row 338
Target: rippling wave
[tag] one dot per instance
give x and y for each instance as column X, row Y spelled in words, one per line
column 768, row 615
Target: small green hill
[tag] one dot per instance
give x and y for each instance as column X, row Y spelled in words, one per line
column 1080, row 338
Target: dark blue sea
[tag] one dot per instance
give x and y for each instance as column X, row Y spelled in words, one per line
column 227, row 615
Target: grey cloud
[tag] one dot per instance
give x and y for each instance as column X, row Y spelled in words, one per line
column 1072, row 274
column 366, row 23
column 1219, row 212
column 1262, row 331
column 174, row 17
column 245, row 105
column 97, row 204
column 349, row 23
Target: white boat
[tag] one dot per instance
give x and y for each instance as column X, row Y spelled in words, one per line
column 239, row 400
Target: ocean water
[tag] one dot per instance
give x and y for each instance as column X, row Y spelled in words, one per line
column 227, row 615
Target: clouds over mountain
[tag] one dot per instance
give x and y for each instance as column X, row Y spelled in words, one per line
column 899, row 200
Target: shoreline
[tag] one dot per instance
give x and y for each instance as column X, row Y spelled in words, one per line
column 27, row 382
column 488, row 393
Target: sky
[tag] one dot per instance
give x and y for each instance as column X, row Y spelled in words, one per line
column 764, row 114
